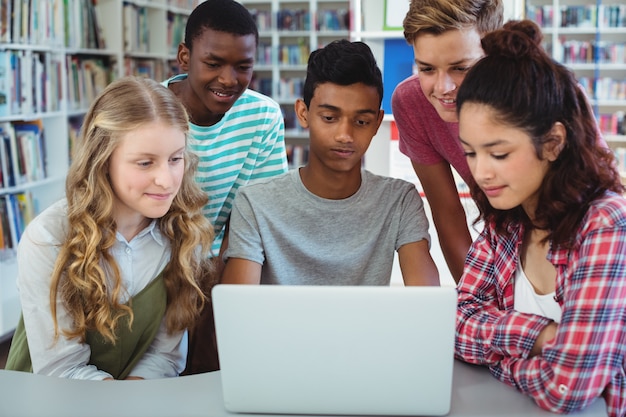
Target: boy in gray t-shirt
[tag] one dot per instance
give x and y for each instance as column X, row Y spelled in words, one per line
column 330, row 222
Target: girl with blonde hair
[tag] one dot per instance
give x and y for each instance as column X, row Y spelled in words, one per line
column 110, row 277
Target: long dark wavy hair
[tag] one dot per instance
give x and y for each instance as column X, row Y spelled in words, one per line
column 528, row 90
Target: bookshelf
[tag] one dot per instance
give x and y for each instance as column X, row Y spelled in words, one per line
column 288, row 31
column 140, row 37
column 591, row 40
column 33, row 128
column 55, row 57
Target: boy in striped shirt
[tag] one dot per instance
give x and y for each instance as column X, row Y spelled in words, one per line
column 237, row 133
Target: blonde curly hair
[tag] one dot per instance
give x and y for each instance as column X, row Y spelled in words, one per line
column 84, row 265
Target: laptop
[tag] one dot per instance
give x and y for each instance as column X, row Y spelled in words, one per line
column 338, row 350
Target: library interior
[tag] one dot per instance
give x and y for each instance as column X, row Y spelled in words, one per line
column 56, row 56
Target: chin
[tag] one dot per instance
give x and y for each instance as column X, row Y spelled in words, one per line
column 448, row 116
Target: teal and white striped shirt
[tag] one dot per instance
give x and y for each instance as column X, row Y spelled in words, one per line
column 246, row 145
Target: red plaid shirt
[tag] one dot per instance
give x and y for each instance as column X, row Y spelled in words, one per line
column 586, row 359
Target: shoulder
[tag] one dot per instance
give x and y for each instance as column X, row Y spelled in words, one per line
column 408, row 89
column 50, row 226
column 266, row 187
column 609, row 210
column 251, row 99
column 389, row 185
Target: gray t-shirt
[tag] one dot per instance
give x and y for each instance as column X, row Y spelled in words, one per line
column 300, row 238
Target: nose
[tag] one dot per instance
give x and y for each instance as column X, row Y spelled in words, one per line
column 444, row 83
column 163, row 176
column 480, row 168
column 344, row 131
column 228, row 76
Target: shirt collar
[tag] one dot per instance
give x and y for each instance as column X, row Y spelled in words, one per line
column 152, row 229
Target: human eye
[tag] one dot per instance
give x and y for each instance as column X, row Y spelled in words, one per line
column 499, row 156
column 425, row 69
column 462, row 68
column 144, row 164
column 212, row 65
column 177, row 159
column 328, row 118
column 245, row 68
column 362, row 122
column 469, row 154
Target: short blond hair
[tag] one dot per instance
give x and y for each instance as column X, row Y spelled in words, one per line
column 439, row 16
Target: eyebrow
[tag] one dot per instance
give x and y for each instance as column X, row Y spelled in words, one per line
column 150, row 154
column 462, row 61
column 335, row 108
column 214, row 57
column 489, row 144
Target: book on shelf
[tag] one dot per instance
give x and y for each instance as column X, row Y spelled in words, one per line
column 5, row 21
column 23, row 152
column 175, row 31
column 5, row 225
column 293, row 19
column 29, row 82
column 83, row 25
column 15, row 165
column 35, row 22
column 30, row 139
column 87, row 77
column 297, row 155
column 74, row 125
column 5, row 82
column 6, row 169
column 16, row 211
column 136, row 28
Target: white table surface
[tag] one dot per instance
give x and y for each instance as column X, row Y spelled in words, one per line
column 475, row 393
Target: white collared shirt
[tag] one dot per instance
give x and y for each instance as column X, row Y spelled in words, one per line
column 139, row 261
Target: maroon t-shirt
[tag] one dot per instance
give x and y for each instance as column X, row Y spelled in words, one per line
column 424, row 137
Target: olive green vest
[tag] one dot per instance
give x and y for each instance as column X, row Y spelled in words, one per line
column 118, row 360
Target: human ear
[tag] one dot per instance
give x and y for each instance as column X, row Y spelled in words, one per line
column 182, row 56
column 302, row 113
column 556, row 142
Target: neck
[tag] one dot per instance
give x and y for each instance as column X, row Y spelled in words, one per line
column 130, row 229
column 198, row 113
column 331, row 185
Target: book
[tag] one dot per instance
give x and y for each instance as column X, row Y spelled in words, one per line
column 6, row 162
column 16, row 164
column 5, row 83
column 5, row 224
column 30, row 139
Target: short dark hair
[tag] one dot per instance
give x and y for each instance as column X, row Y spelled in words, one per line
column 227, row 16
column 528, row 90
column 342, row 62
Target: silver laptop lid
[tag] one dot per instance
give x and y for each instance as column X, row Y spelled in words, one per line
column 335, row 349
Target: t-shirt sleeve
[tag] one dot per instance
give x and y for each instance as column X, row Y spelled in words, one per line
column 244, row 239
column 272, row 158
column 413, row 221
column 411, row 112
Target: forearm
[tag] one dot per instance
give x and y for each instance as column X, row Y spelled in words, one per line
column 455, row 240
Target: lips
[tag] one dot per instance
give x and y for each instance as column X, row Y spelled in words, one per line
column 447, row 102
column 223, row 93
column 492, row 191
column 161, row 197
column 343, row 152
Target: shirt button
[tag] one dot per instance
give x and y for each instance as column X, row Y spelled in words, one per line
column 563, row 388
column 128, row 250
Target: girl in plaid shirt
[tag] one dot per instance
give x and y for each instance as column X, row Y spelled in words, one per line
column 542, row 300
